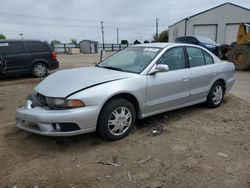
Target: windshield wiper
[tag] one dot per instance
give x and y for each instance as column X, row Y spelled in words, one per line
column 113, row 68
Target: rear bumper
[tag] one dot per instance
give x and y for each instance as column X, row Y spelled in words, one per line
column 229, row 84
column 54, row 65
column 49, row 122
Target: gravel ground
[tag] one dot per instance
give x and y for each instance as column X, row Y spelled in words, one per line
column 191, row 147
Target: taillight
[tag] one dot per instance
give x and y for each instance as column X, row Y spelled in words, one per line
column 54, row 55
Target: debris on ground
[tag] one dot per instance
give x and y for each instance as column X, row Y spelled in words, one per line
column 108, row 163
column 129, row 176
column 175, row 139
column 223, row 155
column 145, row 160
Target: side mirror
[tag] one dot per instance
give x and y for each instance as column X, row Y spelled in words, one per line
column 159, row 68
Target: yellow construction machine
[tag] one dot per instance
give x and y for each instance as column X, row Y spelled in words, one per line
column 239, row 52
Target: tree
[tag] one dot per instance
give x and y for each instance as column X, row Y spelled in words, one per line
column 162, row 37
column 124, row 42
column 53, row 42
column 137, row 42
column 2, row 36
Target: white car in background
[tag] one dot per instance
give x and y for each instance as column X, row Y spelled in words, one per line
column 135, row 83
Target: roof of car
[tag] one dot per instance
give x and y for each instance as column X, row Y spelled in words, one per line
column 156, row 45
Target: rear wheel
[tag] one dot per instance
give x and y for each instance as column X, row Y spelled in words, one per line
column 216, row 95
column 116, row 119
column 39, row 70
column 240, row 56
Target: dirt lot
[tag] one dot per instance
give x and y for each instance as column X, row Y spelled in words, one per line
column 192, row 147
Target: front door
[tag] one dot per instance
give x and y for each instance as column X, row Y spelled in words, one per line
column 166, row 90
column 15, row 57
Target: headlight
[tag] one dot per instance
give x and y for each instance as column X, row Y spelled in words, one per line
column 64, row 103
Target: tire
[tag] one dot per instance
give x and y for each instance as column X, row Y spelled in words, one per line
column 39, row 70
column 216, row 95
column 240, row 56
column 113, row 123
column 223, row 49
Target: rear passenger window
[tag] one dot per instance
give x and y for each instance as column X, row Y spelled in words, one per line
column 208, row 58
column 12, row 48
column 174, row 58
column 195, row 57
column 37, row 47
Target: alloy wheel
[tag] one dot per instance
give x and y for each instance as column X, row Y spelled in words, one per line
column 217, row 94
column 119, row 121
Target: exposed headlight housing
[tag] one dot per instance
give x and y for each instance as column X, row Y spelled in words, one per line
column 64, row 103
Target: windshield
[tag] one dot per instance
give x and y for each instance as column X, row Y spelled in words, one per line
column 131, row 59
column 205, row 40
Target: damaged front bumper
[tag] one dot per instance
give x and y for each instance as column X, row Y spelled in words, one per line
column 57, row 122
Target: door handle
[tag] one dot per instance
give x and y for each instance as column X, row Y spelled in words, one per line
column 214, row 74
column 185, row 79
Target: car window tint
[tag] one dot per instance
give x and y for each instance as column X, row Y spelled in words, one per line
column 208, row 58
column 195, row 56
column 11, row 48
column 37, row 46
column 174, row 58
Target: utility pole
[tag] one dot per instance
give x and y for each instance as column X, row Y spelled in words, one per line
column 102, row 28
column 117, row 34
column 156, row 25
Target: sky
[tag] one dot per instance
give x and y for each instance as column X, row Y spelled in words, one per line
column 80, row 19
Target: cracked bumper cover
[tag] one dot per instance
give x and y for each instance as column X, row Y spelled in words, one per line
column 40, row 121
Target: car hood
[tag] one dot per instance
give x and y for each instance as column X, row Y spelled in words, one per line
column 65, row 82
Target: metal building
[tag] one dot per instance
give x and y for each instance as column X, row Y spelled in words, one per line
column 88, row 47
column 219, row 23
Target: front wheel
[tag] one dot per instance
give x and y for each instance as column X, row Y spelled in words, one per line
column 216, row 95
column 116, row 119
column 39, row 70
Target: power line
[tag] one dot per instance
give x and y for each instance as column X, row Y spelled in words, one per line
column 69, row 19
column 50, row 25
column 68, row 25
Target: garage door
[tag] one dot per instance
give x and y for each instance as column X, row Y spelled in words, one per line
column 231, row 33
column 205, row 31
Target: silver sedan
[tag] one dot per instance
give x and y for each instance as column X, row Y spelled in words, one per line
column 135, row 83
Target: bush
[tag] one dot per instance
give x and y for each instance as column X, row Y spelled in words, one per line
column 137, row 42
column 2, row 36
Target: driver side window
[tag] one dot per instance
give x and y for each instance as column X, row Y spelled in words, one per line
column 174, row 58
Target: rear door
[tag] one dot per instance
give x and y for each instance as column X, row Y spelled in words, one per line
column 38, row 50
column 203, row 70
column 14, row 54
column 169, row 89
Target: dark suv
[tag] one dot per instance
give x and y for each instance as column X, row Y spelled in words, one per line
column 26, row 56
column 201, row 41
